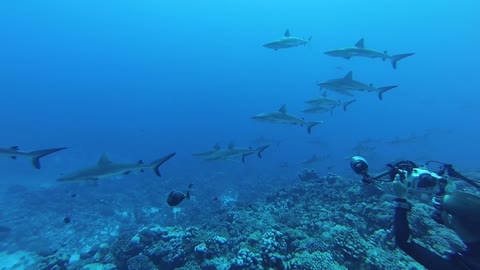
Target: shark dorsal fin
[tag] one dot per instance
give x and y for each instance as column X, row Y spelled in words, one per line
column 283, row 109
column 104, row 160
column 140, row 162
column 287, row 33
column 324, row 94
column 216, row 146
column 349, row 76
column 359, row 44
column 231, row 145
column 15, row 148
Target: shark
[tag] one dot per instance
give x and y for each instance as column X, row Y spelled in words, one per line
column 106, row 168
column 324, row 108
column 262, row 140
column 214, row 149
column 14, row 152
column 232, row 152
column 324, row 103
column 347, row 83
column 315, row 159
column 287, row 41
column 283, row 117
column 360, row 51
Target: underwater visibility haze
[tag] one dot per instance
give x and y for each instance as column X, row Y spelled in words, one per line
column 243, row 115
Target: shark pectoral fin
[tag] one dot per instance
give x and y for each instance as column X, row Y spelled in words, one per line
column 360, row 43
column 16, row 148
column 347, row 57
column 13, row 157
column 127, row 172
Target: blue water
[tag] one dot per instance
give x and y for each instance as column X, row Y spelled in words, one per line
column 141, row 79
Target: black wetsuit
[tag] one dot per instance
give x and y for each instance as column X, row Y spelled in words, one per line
column 424, row 256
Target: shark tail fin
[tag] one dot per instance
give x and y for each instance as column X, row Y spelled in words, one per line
column 331, row 110
column 348, row 103
column 157, row 163
column 187, row 195
column 260, row 150
column 36, row 155
column 398, row 57
column 310, row 125
column 246, row 155
column 382, row 90
column 309, row 41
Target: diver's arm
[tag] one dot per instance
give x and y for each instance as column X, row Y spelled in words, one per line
column 422, row 255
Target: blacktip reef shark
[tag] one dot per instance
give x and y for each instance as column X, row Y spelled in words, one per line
column 105, row 168
column 287, row 41
column 360, row 51
column 283, row 117
column 347, row 84
column 14, row 152
column 232, row 152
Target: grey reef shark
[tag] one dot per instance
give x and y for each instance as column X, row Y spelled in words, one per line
column 106, row 168
column 230, row 153
column 324, row 104
column 359, row 50
column 283, row 117
column 287, row 41
column 347, row 84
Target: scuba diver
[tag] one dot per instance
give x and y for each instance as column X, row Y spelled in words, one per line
column 459, row 211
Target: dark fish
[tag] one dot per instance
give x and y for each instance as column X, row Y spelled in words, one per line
column 190, row 186
column 215, row 199
column 66, row 220
column 176, row 197
column 74, row 195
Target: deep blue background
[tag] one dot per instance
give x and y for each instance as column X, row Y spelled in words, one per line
column 140, row 79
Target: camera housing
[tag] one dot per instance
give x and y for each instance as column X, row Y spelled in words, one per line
column 359, row 165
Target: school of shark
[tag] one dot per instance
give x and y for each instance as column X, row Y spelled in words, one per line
column 344, row 86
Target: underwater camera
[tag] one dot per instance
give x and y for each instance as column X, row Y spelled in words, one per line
column 359, row 165
column 417, row 179
column 403, row 168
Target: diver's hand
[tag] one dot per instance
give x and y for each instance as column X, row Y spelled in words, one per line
column 399, row 188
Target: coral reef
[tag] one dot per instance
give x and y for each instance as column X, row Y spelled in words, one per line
column 306, row 225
